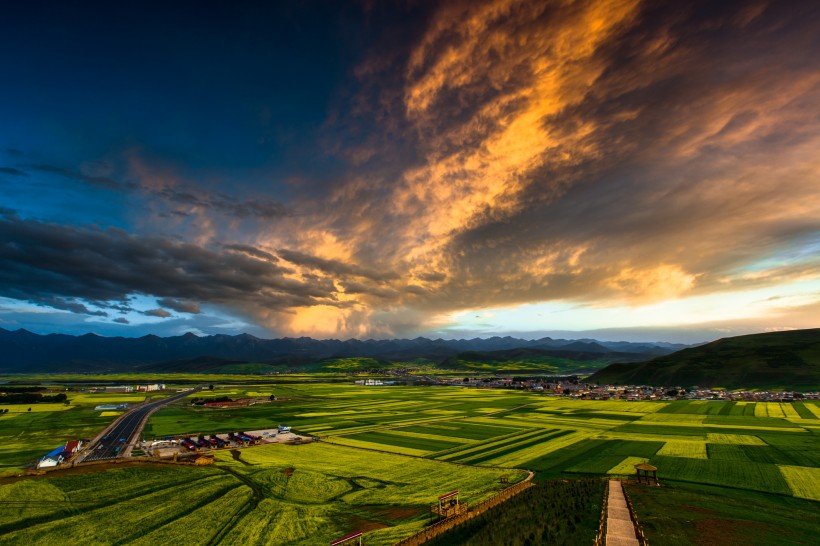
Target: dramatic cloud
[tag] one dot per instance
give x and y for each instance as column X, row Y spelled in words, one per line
column 42, row 262
column 618, row 163
column 180, row 306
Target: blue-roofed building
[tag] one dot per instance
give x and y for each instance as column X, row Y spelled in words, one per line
column 53, row 458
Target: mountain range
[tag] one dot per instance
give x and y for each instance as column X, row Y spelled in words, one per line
column 23, row 351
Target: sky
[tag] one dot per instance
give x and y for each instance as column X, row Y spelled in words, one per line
column 639, row 170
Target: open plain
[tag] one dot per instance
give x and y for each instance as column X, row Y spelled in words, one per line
column 383, row 456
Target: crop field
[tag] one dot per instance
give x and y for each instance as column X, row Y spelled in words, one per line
column 386, row 454
column 26, row 436
column 689, row 441
column 804, row 482
column 308, row 494
column 29, row 431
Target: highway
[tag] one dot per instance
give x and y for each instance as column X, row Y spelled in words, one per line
column 113, row 443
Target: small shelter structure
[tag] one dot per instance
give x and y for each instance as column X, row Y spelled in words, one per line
column 448, row 506
column 643, row 470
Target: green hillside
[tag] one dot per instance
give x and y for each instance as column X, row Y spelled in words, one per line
column 777, row 360
column 532, row 361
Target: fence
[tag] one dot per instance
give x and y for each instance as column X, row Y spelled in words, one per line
column 445, row 525
column 600, row 538
column 639, row 534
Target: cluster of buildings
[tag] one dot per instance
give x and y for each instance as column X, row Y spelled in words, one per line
column 373, row 382
column 60, row 454
column 643, row 392
column 572, row 387
column 135, row 388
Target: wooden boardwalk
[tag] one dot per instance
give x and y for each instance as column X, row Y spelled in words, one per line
column 620, row 531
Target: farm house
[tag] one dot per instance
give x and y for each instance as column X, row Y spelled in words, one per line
column 53, row 458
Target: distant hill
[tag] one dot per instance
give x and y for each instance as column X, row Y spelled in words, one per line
column 573, row 358
column 788, row 360
column 22, row 351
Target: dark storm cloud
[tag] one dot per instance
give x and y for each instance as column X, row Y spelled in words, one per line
column 251, row 251
column 50, row 264
column 262, row 208
column 66, row 305
column 335, row 267
column 352, row 287
column 13, row 172
column 122, row 320
column 190, row 307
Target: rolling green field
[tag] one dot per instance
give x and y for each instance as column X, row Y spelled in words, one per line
column 360, row 475
column 277, row 494
column 25, row 435
column 756, row 446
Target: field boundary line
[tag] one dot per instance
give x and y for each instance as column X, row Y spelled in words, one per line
column 442, row 420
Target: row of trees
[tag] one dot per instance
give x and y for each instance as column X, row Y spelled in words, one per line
column 31, row 398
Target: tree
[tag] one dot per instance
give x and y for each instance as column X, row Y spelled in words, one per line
column 29, row 409
column 210, row 387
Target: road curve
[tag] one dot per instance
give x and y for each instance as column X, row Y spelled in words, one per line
column 113, row 443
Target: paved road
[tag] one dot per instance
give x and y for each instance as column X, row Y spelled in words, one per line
column 113, row 443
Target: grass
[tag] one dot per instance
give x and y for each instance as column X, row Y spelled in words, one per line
column 276, row 494
column 729, row 473
column 627, row 466
column 686, row 514
column 684, row 448
column 26, row 437
column 803, row 482
column 691, row 442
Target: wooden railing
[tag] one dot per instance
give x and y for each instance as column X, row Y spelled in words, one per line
column 445, row 525
column 600, row 538
column 639, row 533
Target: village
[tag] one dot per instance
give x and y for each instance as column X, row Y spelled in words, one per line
column 573, row 387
